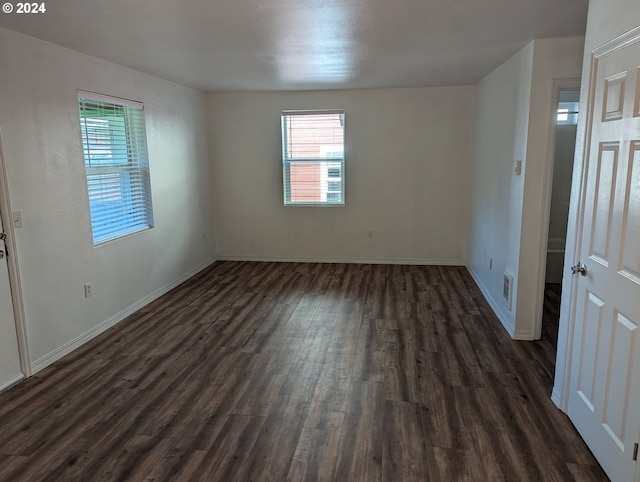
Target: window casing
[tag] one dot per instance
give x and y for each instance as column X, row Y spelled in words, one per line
column 313, row 158
column 116, row 164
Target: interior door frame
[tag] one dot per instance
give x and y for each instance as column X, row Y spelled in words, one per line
column 14, row 272
column 562, row 383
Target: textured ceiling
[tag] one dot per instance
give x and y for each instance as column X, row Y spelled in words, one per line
column 234, row 45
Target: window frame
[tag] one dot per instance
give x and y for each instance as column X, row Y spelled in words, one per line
column 119, row 192
column 327, row 162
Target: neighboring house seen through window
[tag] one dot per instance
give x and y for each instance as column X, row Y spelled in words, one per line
column 116, row 164
column 313, row 157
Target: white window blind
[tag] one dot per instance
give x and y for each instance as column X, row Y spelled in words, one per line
column 313, row 157
column 117, row 166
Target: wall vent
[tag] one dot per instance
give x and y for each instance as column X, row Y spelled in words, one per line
column 507, row 290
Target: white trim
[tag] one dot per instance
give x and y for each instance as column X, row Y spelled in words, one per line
column 11, row 382
column 14, row 271
column 619, row 43
column 77, row 342
column 304, row 259
column 562, row 382
column 312, row 111
column 525, row 335
column 556, row 398
column 496, row 307
column 83, row 94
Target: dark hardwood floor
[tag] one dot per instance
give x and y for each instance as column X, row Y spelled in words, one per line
column 551, row 313
column 273, row 372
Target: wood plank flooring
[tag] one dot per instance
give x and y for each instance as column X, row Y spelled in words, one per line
column 551, row 313
column 301, row 372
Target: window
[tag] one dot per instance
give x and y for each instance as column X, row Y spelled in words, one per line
column 313, row 158
column 116, row 164
column 567, row 113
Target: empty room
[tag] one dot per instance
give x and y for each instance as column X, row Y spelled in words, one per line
column 320, row 240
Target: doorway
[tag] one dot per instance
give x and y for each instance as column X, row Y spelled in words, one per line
column 564, row 135
column 10, row 371
column 15, row 363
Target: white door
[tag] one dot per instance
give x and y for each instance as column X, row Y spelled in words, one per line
column 9, row 356
column 604, row 401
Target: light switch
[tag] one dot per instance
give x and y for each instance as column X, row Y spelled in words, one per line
column 517, row 168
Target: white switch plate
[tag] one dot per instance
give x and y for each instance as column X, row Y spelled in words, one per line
column 17, row 219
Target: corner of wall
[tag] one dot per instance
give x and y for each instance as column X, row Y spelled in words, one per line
column 501, row 128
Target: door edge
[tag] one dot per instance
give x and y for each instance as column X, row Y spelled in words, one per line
column 14, row 271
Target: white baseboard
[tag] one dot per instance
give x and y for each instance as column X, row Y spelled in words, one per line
column 556, row 398
column 497, row 309
column 524, row 335
column 68, row 347
column 11, row 382
column 294, row 259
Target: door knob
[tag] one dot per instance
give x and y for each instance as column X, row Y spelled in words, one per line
column 579, row 268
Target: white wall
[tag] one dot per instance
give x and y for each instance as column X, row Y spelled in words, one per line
column 607, row 19
column 45, row 168
column 508, row 223
column 407, row 177
column 501, row 126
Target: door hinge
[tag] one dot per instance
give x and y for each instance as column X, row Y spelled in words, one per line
column 635, row 452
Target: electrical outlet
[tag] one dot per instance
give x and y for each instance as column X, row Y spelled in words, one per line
column 87, row 290
column 370, row 234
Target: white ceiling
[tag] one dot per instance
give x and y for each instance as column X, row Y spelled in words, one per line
column 222, row 45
